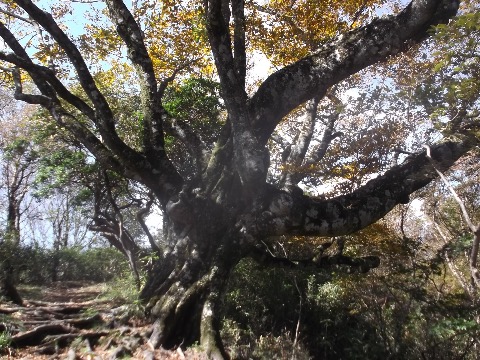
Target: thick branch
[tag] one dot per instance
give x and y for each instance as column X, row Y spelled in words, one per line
column 220, row 42
column 48, row 84
column 28, row 98
column 89, row 140
column 347, row 54
column 18, row 49
column 240, row 57
column 249, row 156
column 120, row 240
column 302, row 215
column 45, row 78
column 299, row 149
column 156, row 172
column 86, row 80
column 132, row 36
column 103, row 112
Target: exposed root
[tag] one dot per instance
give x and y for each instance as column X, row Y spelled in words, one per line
column 36, row 335
column 70, row 331
column 210, row 339
column 54, row 328
column 9, row 310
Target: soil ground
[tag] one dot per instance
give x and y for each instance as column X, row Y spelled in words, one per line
column 74, row 320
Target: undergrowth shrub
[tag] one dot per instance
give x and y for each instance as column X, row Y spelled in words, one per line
column 35, row 265
column 123, row 288
column 261, row 311
column 5, row 340
column 96, row 264
column 378, row 315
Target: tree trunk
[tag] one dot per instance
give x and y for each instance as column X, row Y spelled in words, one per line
column 7, row 269
column 13, row 219
column 186, row 285
column 7, row 287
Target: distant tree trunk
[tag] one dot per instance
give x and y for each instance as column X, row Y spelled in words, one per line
column 55, row 262
column 61, row 228
column 8, row 270
column 7, row 287
column 12, row 242
column 13, row 219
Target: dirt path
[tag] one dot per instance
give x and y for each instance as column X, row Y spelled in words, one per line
column 74, row 320
column 67, row 291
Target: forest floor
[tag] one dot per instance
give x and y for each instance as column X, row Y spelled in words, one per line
column 75, row 320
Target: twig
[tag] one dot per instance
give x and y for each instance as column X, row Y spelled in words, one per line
column 297, row 329
column 475, row 229
column 16, row 16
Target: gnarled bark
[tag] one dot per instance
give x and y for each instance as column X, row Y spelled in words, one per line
column 185, row 286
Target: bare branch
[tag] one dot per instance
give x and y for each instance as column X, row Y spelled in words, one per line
column 475, row 273
column 195, row 145
column 328, row 136
column 165, row 82
column 140, row 218
column 450, row 188
column 9, row 13
column 299, row 149
column 453, row 268
column 336, row 261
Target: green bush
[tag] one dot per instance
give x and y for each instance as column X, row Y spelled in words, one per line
column 97, row 264
column 35, row 265
column 5, row 340
column 262, row 309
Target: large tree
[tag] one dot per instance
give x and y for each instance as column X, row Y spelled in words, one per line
column 224, row 208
